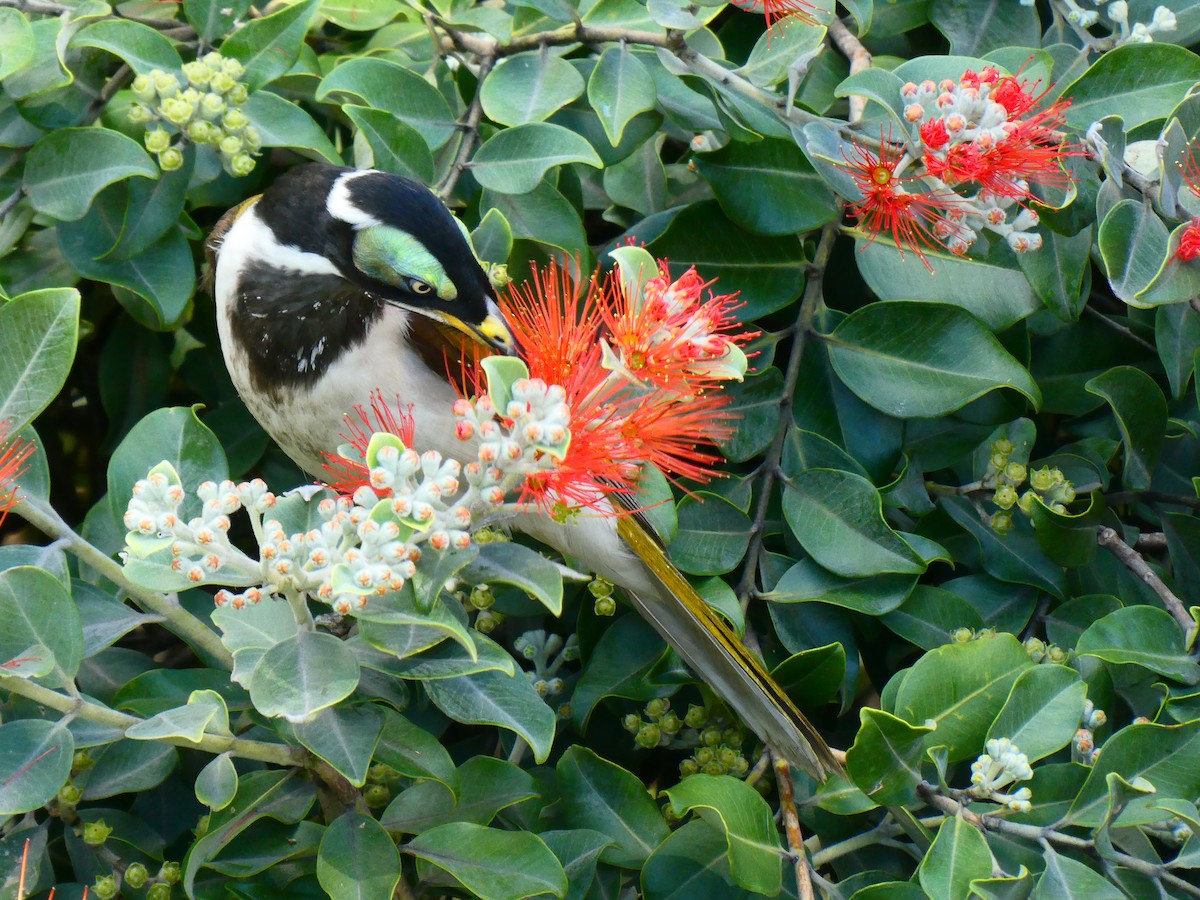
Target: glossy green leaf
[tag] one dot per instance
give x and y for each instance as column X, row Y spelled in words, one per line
column 413, row 751
column 692, row 862
column 837, row 517
column 395, row 145
column 619, row 88
column 127, row 767
column 1138, row 82
column 922, row 359
column 216, row 784
column 491, row 864
column 16, row 42
column 1056, row 272
column 1039, row 715
column 213, row 18
column 141, row 47
column 874, row 595
column 712, row 535
column 35, row 761
column 358, row 859
column 885, row 761
column 487, row 786
column 37, row 610
column 509, row 563
column 1141, row 414
column 59, row 186
column 513, row 161
column 743, row 816
column 529, row 87
column 1133, row 244
column 619, row 666
column 39, row 331
column 1015, row 556
column 603, row 797
column 961, row 688
column 267, row 47
column 958, row 856
column 930, row 616
column 361, row 15
column 284, row 124
column 755, row 407
column 345, row 737
column 976, row 30
column 493, row 698
column 1141, row 636
column 205, row 712
column 1067, row 879
column 302, row 675
column 384, row 85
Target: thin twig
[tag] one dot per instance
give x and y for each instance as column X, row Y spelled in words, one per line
column 791, row 827
column 1151, row 541
column 177, row 620
column 278, row 754
column 469, row 132
column 1120, row 329
column 858, row 55
column 769, row 472
column 1152, row 497
column 1133, row 561
column 1047, row 835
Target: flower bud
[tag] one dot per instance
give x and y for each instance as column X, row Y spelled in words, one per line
column 159, row 892
column 252, row 138
column 237, row 94
column 1005, row 496
column 69, row 794
column 138, row 114
column 605, row 606
column 104, row 887
column 648, row 736
column 657, row 707
column 170, row 872
column 1014, row 473
column 197, row 73
column 697, row 716
column 376, row 795
column 136, row 875
column 95, row 833
column 170, row 160
column 212, row 105
column 157, row 140
column 242, row 164
column 231, row 145
column 234, row 120
column 177, row 110
column 165, row 84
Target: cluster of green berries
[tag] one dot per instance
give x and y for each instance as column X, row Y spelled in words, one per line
column 136, row 875
column 965, row 635
column 1048, row 484
column 1041, row 652
column 717, row 742
column 601, row 589
column 205, row 111
column 380, row 780
column 480, row 601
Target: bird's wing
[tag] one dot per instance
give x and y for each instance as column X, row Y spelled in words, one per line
column 716, row 654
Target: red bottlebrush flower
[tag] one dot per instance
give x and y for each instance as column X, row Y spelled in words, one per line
column 780, row 11
column 934, row 134
column 1189, row 242
column 615, row 425
column 345, row 476
column 888, row 206
column 1015, row 96
column 14, row 460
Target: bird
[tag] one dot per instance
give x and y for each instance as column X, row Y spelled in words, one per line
column 336, row 282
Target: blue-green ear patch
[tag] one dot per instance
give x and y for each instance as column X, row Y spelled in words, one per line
column 395, row 257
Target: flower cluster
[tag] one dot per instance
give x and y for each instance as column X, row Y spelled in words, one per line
column 1002, row 765
column 548, row 653
column 1083, row 744
column 14, row 460
column 1047, row 484
column 715, row 739
column 1189, row 237
column 640, row 357
column 1117, row 12
column 206, row 111
column 1041, row 652
column 777, row 11
column 975, row 150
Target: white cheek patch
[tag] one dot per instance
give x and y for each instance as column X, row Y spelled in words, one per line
column 341, row 207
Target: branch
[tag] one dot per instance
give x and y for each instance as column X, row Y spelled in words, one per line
column 1047, row 834
column 791, row 825
column 860, row 58
column 178, row 30
column 1152, row 497
column 278, row 754
column 469, row 132
column 576, row 33
column 1133, row 561
column 177, row 620
column 769, row 472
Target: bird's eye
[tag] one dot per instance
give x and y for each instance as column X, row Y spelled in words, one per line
column 419, row 287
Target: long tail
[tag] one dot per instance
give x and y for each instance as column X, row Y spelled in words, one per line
column 714, row 653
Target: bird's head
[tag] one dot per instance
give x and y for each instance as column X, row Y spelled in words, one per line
column 387, row 235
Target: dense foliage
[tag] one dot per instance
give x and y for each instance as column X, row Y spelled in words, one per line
column 959, row 511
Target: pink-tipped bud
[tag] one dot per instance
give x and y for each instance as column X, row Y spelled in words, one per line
column 913, row 112
column 464, row 430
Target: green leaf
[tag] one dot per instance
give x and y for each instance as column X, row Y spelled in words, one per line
column 358, row 859
column 529, row 87
column 395, row 145
column 603, row 797
column 493, row 698
column 693, row 862
column 738, row 811
column 504, row 562
column 1133, row 242
column 140, row 46
column 491, row 864
column 812, row 677
column 213, row 18
column 37, row 609
column 1141, row 636
column 268, row 47
column 1015, row 556
column 838, row 518
column 68, row 167
column 959, row 855
column 1141, row 413
column 35, row 761
column 38, row 331
column 514, row 160
column 127, row 767
column 712, row 535
column 281, row 123
column 302, row 675
column 930, row 615
column 16, row 41
column 873, row 595
column 345, row 737
column 578, row 850
column 385, row 85
column 911, row 359
column 1067, row 879
column 1056, row 272
column 620, row 665
column 413, row 751
column 768, row 187
column 885, row 760
column 216, row 784
column 1138, row 82
column 492, row 239
column 619, row 88
column 361, row 15
column 488, row 786
column 1041, row 713
column 961, row 688
column 978, row 29
column 205, row 712
column 767, row 272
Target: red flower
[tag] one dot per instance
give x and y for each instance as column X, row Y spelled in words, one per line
column 934, row 134
column 14, row 459
column 347, row 475
column 1189, row 242
column 780, row 11
column 616, row 426
column 888, row 206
